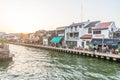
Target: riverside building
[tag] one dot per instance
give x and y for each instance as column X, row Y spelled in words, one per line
column 79, row 34
column 102, row 36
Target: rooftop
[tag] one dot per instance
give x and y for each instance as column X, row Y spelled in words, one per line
column 92, row 24
column 61, row 28
column 104, row 25
column 86, row 36
column 76, row 24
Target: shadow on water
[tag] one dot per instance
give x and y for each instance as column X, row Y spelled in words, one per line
column 5, row 64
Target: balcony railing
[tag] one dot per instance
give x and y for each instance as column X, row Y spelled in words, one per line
column 72, row 38
column 72, row 30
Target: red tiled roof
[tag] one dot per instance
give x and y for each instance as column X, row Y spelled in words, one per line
column 103, row 25
column 87, row 36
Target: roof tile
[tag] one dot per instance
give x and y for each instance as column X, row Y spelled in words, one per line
column 87, row 36
column 104, row 25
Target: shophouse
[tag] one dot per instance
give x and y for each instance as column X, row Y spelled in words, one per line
column 103, row 35
column 87, row 37
column 59, row 39
column 73, row 33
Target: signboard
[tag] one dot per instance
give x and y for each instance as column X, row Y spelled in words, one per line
column 60, row 34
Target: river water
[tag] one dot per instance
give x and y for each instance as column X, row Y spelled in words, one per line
column 39, row 64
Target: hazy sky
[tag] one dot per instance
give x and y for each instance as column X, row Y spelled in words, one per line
column 32, row 15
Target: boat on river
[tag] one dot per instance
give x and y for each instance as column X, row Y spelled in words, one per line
column 5, row 52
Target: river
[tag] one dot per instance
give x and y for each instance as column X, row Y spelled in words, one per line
column 39, row 64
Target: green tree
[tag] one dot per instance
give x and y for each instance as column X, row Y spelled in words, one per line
column 119, row 48
column 3, row 40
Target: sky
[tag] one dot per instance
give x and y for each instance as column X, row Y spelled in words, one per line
column 25, row 16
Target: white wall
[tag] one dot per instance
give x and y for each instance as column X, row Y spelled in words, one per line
column 112, row 26
column 65, row 35
column 45, row 41
column 82, row 31
column 84, row 40
column 79, row 43
column 105, row 33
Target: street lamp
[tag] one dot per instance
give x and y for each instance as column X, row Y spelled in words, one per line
column 103, row 44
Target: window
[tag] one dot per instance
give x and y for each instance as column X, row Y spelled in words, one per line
column 76, row 34
column 96, row 32
column 67, row 35
column 80, row 26
column 89, row 30
column 87, row 43
column 83, row 24
column 111, row 29
column 75, row 28
column 71, row 34
column 71, row 28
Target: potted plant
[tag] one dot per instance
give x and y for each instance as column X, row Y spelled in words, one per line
column 90, row 47
column 118, row 49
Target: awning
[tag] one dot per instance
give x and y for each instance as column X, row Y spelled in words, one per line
column 105, row 41
column 111, row 41
column 56, row 39
column 96, row 41
column 87, row 36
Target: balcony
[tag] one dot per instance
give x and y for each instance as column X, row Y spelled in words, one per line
column 72, row 38
column 72, row 29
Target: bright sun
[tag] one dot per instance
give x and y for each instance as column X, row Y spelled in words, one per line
column 24, row 29
column 24, row 26
column 23, row 23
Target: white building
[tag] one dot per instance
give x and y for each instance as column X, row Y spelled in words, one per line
column 74, row 32
column 102, row 35
column 104, row 30
column 45, row 41
column 87, row 37
column 33, row 37
column 82, row 34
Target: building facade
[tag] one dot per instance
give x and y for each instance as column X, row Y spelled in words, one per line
column 104, row 30
column 73, row 34
column 87, row 37
column 103, row 36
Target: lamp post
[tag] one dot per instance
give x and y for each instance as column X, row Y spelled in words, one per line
column 103, row 44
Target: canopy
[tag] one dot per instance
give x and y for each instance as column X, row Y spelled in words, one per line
column 111, row 41
column 56, row 39
column 105, row 41
column 96, row 41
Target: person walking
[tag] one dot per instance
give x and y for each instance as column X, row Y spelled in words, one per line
column 112, row 50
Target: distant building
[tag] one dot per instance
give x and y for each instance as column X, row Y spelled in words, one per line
column 49, row 35
column 45, row 41
column 40, row 33
column 60, row 31
column 2, row 34
column 38, row 36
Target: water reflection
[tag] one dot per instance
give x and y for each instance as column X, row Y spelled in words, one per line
column 4, row 65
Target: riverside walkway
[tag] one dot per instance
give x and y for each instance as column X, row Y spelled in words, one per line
column 105, row 56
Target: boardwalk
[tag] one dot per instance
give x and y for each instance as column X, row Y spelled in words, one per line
column 106, row 56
